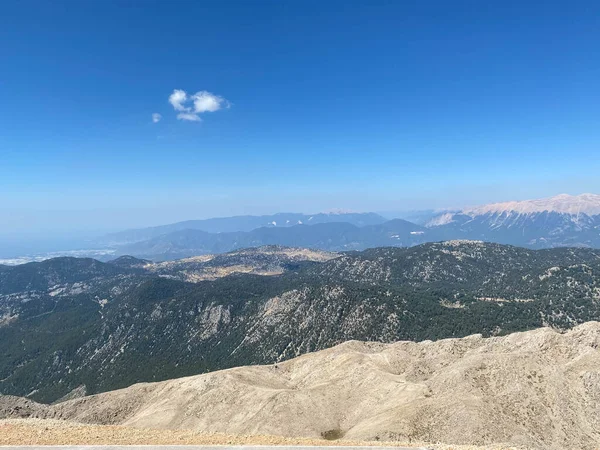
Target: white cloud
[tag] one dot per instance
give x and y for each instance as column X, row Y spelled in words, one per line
column 177, row 99
column 190, row 107
column 156, row 117
column 204, row 101
column 192, row 117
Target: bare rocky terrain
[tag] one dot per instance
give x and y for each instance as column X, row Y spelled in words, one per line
column 536, row 389
column 268, row 260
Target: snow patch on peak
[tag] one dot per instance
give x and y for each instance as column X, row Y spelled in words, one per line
column 338, row 211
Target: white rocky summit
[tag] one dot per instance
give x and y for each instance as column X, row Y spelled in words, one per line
column 560, row 221
column 564, row 203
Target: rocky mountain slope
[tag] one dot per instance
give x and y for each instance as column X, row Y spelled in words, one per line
column 122, row 325
column 539, row 389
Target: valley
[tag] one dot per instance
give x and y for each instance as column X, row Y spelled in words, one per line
column 74, row 326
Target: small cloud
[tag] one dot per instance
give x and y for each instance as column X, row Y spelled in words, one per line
column 156, row 117
column 177, row 99
column 190, row 107
column 204, row 101
column 192, row 117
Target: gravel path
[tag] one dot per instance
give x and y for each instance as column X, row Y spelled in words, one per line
column 58, row 432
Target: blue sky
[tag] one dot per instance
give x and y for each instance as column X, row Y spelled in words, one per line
column 363, row 105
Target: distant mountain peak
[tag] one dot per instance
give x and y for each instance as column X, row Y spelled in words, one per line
column 339, row 211
column 563, row 203
column 240, row 224
column 562, row 220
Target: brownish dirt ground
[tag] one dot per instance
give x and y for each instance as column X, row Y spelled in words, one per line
column 58, row 432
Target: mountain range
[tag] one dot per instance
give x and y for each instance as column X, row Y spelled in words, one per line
column 241, row 223
column 561, row 221
column 70, row 326
column 333, row 236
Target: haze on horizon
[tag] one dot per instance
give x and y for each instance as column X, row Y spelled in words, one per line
column 128, row 114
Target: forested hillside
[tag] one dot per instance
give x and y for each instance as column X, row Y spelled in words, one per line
column 105, row 326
